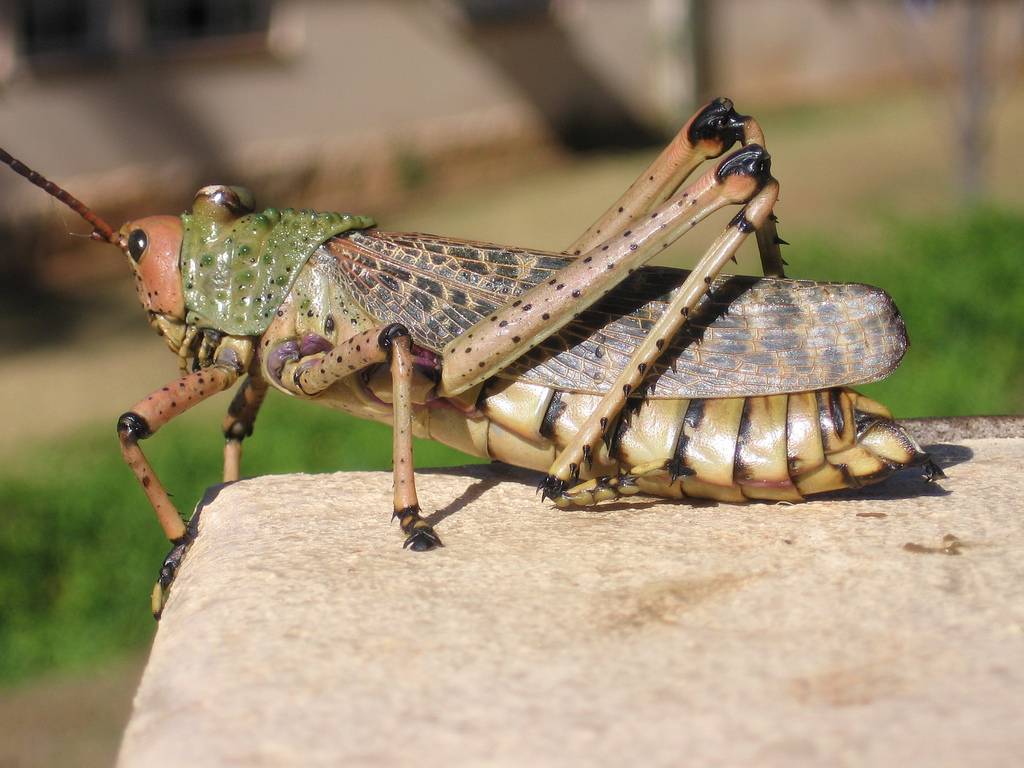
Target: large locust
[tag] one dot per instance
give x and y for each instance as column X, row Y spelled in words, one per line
column 613, row 377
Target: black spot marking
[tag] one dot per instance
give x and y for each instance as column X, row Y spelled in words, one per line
column 694, row 413
column 835, row 403
column 551, row 414
column 676, row 466
column 615, row 444
column 744, row 434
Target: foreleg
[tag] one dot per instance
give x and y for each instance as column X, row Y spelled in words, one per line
column 148, row 416
column 238, row 424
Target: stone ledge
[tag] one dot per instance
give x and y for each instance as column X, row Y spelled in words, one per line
column 300, row 633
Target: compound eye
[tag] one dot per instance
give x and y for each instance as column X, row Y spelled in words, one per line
column 137, row 242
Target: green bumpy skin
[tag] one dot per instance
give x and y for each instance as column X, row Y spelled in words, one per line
column 237, row 273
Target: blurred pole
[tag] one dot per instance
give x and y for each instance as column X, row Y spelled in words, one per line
column 974, row 102
column 681, row 30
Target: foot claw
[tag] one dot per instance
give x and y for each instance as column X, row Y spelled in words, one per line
column 551, row 488
column 932, row 471
column 422, row 540
column 420, row 536
column 168, row 570
column 171, row 564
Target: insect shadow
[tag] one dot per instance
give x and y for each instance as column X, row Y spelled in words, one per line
column 491, row 475
column 907, row 483
column 948, row 455
column 488, row 477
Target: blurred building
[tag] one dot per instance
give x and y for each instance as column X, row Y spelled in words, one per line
column 350, row 103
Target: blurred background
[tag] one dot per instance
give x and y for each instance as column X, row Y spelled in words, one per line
column 896, row 130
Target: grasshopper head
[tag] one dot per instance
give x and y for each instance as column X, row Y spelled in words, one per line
column 153, row 247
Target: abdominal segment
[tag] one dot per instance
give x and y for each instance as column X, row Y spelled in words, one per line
column 775, row 447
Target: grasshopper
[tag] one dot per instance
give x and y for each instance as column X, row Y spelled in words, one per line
column 612, row 377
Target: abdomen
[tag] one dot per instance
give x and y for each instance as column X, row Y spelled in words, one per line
column 776, row 447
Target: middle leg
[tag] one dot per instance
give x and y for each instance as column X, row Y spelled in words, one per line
column 392, row 345
column 420, row 536
column 238, row 424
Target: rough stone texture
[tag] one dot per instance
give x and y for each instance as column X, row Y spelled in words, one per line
column 300, row 632
column 959, row 428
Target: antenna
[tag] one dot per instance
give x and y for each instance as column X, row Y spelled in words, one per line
column 100, row 229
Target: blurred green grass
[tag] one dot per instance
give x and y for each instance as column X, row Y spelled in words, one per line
column 958, row 283
column 79, row 549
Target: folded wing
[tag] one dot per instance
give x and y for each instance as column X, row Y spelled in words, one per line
column 750, row 336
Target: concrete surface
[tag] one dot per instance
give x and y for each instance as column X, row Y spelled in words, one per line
column 883, row 627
